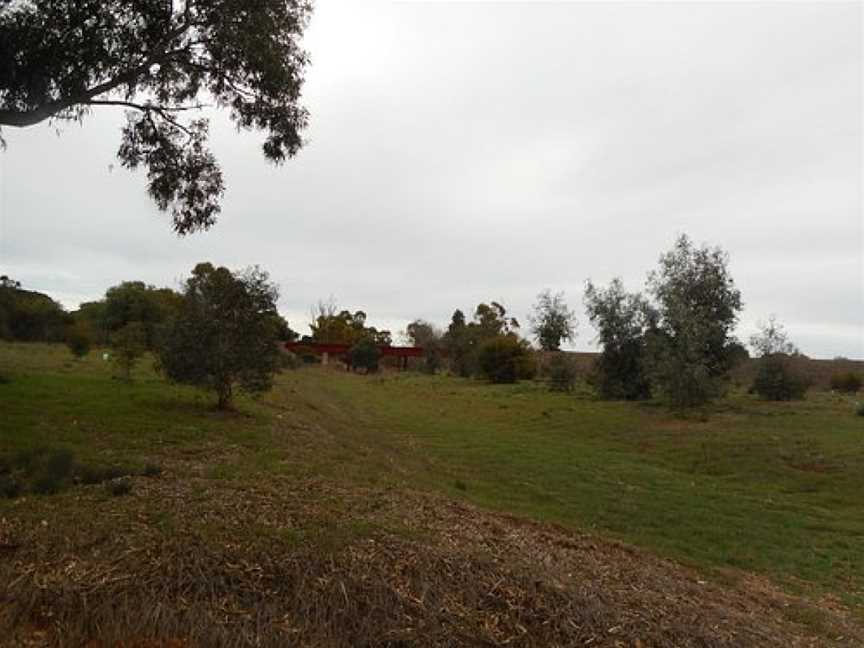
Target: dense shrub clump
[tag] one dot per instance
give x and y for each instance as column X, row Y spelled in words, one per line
column 505, row 359
column 78, row 340
column 45, row 472
column 561, row 373
column 365, row 355
column 847, row 382
column 777, row 379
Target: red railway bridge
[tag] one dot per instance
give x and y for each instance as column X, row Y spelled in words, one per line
column 326, row 349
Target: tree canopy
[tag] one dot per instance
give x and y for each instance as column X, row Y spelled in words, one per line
column 343, row 327
column 164, row 62
column 552, row 322
column 226, row 333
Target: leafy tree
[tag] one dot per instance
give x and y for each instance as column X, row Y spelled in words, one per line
column 344, row 327
column 552, row 321
column 128, row 343
column 776, row 376
column 135, row 301
column 622, row 321
column 427, row 336
column 772, row 339
column 491, row 320
column 364, row 355
column 697, row 307
column 30, row 316
column 79, row 339
column 457, row 340
column 505, row 359
column 92, row 314
column 225, row 334
column 284, row 332
column 160, row 61
column 463, row 340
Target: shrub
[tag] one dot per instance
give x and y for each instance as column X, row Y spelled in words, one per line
column 151, row 470
column 847, row 382
column 561, row 373
column 860, row 410
column 51, row 470
column 289, row 361
column 120, row 487
column 364, row 355
column 78, row 339
column 505, row 359
column 87, row 474
column 777, row 379
column 10, row 487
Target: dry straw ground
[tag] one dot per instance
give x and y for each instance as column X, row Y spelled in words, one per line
column 284, row 564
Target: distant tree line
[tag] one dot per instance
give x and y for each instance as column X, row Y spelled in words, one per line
column 220, row 332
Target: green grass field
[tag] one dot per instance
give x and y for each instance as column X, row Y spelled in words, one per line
column 774, row 489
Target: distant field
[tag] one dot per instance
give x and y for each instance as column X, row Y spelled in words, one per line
column 772, row 489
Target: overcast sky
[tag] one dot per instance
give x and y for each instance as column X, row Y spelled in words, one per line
column 467, row 152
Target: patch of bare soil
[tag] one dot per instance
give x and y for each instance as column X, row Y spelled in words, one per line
column 184, row 562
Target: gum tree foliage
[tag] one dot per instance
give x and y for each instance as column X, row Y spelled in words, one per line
column 463, row 339
column 622, row 321
column 776, row 376
column 426, row 335
column 162, row 61
column 225, row 335
column 697, row 306
column 504, row 358
column 30, row 316
column 552, row 322
column 343, row 327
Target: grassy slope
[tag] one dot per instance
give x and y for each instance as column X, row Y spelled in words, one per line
column 768, row 488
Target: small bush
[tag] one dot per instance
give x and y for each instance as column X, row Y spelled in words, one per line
column 847, row 382
column 78, row 340
column 120, row 487
column 10, row 487
column 776, row 379
column 151, row 470
column 88, row 475
column 289, row 361
column 506, row 359
column 561, row 373
column 860, row 410
column 50, row 471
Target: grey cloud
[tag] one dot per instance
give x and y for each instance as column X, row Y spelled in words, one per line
column 466, row 152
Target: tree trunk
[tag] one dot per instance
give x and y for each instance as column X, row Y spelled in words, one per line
column 224, row 393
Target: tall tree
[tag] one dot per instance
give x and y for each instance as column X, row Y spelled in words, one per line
column 160, row 60
column 552, row 321
column 622, row 321
column 692, row 349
